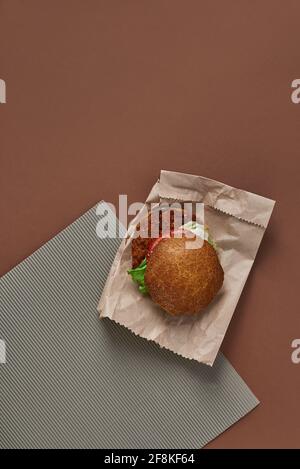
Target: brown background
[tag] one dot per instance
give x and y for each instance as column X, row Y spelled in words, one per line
column 103, row 94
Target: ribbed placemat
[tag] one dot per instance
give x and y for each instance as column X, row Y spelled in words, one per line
column 72, row 380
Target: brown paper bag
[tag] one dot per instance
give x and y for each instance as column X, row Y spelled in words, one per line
column 237, row 221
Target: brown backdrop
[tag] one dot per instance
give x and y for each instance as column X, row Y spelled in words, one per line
column 103, row 94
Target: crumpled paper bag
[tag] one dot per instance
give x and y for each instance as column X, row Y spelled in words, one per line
column 237, row 221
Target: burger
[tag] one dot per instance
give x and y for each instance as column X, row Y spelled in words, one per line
column 180, row 279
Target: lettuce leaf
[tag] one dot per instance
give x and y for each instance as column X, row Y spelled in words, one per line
column 138, row 276
column 211, row 241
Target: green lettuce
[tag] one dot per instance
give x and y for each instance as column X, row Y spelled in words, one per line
column 138, row 276
column 211, row 241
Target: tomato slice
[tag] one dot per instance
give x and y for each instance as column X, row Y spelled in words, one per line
column 152, row 244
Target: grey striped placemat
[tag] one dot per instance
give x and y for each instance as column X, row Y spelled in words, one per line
column 72, row 380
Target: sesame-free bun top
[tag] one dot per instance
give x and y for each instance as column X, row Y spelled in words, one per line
column 182, row 280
